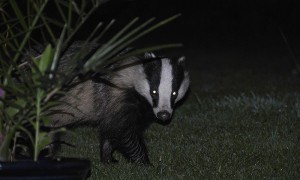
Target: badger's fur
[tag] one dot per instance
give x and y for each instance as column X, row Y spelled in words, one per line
column 141, row 90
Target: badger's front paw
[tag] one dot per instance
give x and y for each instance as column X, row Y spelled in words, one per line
column 106, row 152
column 109, row 160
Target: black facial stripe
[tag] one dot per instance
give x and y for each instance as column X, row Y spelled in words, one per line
column 178, row 76
column 152, row 70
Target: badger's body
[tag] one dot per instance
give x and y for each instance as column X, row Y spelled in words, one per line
column 141, row 90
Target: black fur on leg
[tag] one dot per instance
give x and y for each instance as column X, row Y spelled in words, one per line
column 106, row 151
column 124, row 130
column 133, row 148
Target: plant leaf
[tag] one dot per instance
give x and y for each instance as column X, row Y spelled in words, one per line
column 44, row 140
column 15, row 108
column 46, row 60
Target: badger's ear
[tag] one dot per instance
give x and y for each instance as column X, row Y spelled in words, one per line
column 149, row 55
column 181, row 61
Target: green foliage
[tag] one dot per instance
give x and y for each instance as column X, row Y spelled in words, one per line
column 23, row 102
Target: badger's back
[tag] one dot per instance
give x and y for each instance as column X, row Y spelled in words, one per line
column 77, row 104
column 100, row 98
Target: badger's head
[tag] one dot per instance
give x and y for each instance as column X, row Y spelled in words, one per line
column 166, row 82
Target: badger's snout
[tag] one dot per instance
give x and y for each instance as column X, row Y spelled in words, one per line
column 164, row 117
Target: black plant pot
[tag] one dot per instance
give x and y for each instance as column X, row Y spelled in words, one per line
column 65, row 168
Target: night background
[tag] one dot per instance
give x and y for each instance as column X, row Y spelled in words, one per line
column 223, row 38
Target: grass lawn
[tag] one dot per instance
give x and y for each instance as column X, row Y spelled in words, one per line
column 236, row 123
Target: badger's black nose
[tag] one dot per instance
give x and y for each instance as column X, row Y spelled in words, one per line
column 163, row 115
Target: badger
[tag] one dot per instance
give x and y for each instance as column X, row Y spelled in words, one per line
column 139, row 91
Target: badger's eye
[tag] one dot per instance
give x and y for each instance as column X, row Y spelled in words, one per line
column 174, row 93
column 154, row 92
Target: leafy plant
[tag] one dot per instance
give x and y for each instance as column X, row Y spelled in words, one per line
column 30, row 80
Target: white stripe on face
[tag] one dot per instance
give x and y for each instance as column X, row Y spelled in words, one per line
column 143, row 86
column 165, row 88
column 183, row 87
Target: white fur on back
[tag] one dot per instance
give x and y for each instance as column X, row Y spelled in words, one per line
column 78, row 105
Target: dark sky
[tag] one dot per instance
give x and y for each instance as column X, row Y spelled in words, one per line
column 221, row 21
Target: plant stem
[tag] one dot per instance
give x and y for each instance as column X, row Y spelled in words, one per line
column 37, row 124
column 4, row 148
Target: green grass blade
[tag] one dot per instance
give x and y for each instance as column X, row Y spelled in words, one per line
column 76, row 9
column 105, row 30
column 107, row 47
column 110, row 46
column 117, row 36
column 15, row 36
column 29, row 9
column 94, row 32
column 27, row 36
column 46, row 23
column 69, row 22
column 62, row 15
column 55, row 22
column 143, row 33
column 131, row 33
column 140, row 51
column 82, row 52
column 19, row 14
column 58, row 51
column 5, row 47
column 71, row 35
column 9, row 30
column 97, row 59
